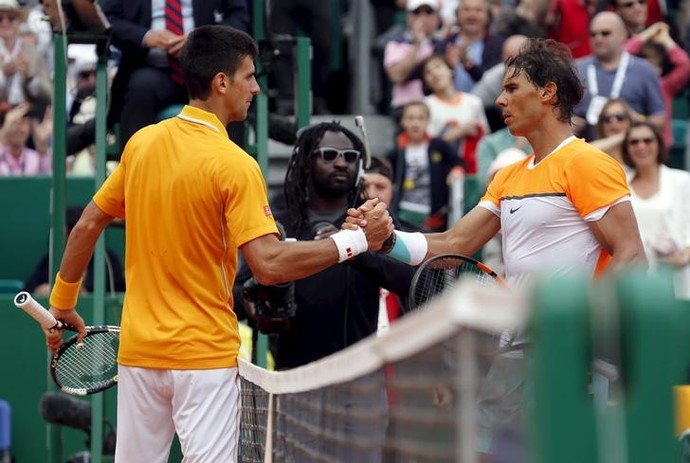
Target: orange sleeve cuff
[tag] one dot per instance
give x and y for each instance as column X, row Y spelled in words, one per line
column 64, row 295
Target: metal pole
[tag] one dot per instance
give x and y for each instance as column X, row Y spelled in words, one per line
column 57, row 201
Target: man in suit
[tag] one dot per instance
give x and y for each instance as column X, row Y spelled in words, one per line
column 145, row 82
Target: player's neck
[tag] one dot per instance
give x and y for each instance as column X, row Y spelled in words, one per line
column 547, row 139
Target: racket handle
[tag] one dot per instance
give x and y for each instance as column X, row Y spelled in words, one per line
column 29, row 305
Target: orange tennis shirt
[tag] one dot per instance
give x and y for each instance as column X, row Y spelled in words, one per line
column 545, row 209
column 191, row 198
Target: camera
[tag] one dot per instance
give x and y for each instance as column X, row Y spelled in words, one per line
column 271, row 306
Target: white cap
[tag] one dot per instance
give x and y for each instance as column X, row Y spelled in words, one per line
column 412, row 5
column 505, row 158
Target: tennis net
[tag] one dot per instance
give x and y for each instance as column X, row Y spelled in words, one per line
column 431, row 389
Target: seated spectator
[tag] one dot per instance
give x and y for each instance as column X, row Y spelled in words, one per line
column 423, row 167
column 148, row 77
column 472, row 50
column 614, row 121
column 23, row 75
column 633, row 13
column 669, row 60
column 492, row 145
column 658, row 194
column 492, row 252
column 16, row 159
column 402, row 55
column 115, row 276
column 491, row 84
column 456, row 117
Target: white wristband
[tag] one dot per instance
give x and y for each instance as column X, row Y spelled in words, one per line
column 410, row 248
column 350, row 243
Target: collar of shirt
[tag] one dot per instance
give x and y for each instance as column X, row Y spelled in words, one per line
column 202, row 117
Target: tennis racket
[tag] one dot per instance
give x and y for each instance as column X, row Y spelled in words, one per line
column 443, row 271
column 78, row 368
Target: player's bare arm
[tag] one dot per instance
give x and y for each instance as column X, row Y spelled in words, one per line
column 82, row 241
column 618, row 233
column 273, row 261
column 467, row 236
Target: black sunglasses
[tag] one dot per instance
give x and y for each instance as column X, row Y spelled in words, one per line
column 620, row 117
column 423, row 10
column 637, row 141
column 632, row 3
column 601, row 33
column 331, row 154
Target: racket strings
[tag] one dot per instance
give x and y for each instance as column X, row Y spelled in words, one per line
column 92, row 366
column 444, row 274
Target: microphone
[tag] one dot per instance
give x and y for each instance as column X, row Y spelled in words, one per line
column 59, row 409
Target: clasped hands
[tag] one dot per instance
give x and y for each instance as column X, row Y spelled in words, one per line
column 374, row 219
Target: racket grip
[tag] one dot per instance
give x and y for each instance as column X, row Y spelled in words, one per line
column 29, row 305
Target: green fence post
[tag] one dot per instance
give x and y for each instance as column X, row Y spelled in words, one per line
column 557, row 390
column 652, row 321
column 304, row 93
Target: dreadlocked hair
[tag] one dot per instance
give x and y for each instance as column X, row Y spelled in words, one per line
column 299, row 171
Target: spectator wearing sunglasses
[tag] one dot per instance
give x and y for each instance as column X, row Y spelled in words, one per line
column 658, row 195
column 633, row 13
column 423, row 169
column 338, row 306
column 614, row 121
column 612, row 72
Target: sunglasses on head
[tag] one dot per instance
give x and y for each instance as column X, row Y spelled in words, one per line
column 632, row 3
column 620, row 117
column 331, row 154
column 637, row 141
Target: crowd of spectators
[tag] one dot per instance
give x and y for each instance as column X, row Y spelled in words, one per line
column 441, row 58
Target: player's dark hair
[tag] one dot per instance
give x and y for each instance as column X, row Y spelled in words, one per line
column 209, row 50
column 299, row 169
column 544, row 61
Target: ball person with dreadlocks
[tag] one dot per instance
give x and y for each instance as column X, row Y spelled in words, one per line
column 338, row 306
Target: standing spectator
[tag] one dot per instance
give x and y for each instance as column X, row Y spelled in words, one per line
column 16, row 159
column 147, row 78
column 456, row 117
column 611, row 72
column 567, row 19
column 614, row 121
column 472, row 50
column 659, row 198
column 24, row 75
column 403, row 54
column 669, row 60
column 338, row 306
column 423, row 167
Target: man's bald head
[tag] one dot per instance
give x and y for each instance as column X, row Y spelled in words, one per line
column 512, row 45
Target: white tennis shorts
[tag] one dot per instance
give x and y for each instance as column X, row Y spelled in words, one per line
column 202, row 406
